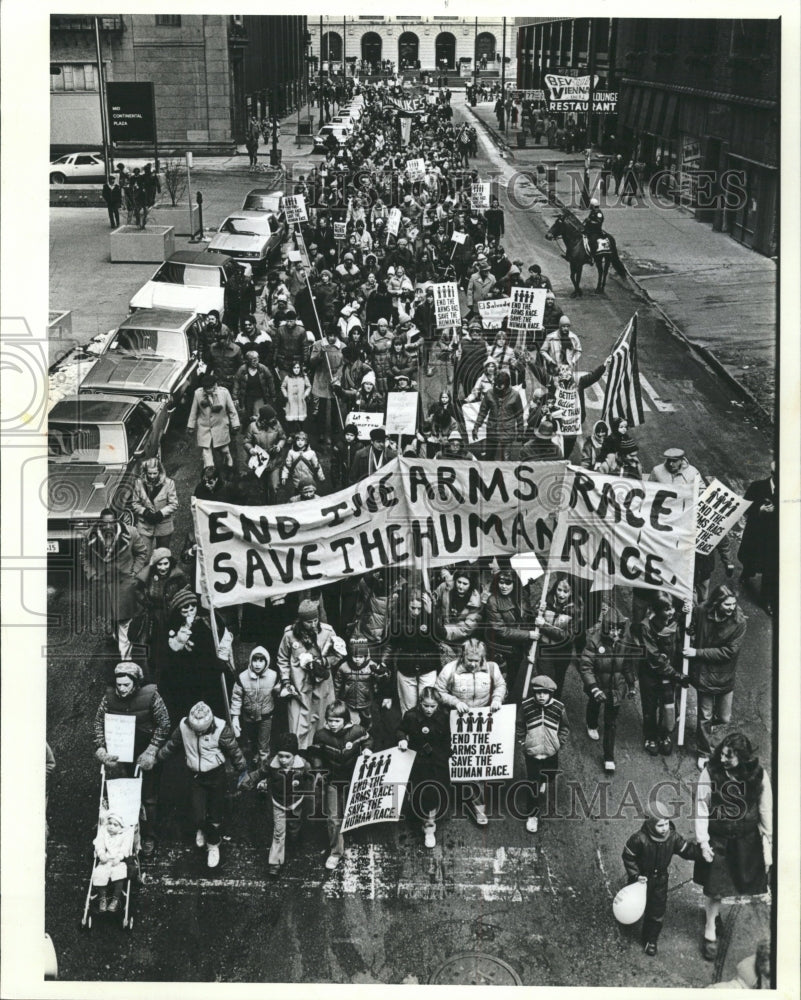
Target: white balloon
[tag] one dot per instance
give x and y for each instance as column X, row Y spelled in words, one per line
column 629, row 904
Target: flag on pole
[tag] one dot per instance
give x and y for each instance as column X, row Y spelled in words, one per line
column 623, row 397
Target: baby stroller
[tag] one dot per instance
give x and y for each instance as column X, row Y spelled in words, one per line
column 120, row 804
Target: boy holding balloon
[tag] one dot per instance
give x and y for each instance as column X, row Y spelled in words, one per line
column 646, row 858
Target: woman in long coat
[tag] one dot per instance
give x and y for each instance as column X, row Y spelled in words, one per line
column 759, row 549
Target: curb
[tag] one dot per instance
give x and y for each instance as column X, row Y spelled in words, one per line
column 703, row 352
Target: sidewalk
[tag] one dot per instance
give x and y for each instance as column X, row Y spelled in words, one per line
column 713, row 292
column 290, row 150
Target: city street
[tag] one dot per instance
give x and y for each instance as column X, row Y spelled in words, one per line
column 393, row 911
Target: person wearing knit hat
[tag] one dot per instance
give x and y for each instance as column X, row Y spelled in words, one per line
column 305, row 660
column 286, row 781
column 359, row 680
column 252, row 705
column 647, row 857
column 207, row 742
column 129, row 696
column 542, row 447
column 546, row 729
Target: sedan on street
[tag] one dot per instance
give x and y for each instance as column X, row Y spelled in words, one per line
column 191, row 280
column 249, row 237
column 77, row 168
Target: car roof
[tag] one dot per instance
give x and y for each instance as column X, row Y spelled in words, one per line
column 96, row 408
column 263, row 192
column 247, row 213
column 198, row 257
column 158, row 319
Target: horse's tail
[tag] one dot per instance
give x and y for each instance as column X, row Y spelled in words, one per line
column 617, row 263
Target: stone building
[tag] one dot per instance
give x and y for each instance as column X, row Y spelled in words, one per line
column 424, row 43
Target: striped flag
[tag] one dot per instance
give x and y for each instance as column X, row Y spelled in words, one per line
column 623, row 397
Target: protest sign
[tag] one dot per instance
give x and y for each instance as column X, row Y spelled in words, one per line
column 294, row 206
column 447, row 310
column 377, row 789
column 401, row 413
column 394, row 221
column 405, row 130
column 365, row 422
column 482, row 744
column 566, row 401
column 480, row 195
column 458, row 237
column 493, row 312
column 526, row 308
column 719, row 509
column 408, row 512
column 623, row 532
column 294, row 257
column 416, row 169
column 340, row 230
column 125, row 798
column 119, row 731
column 527, row 566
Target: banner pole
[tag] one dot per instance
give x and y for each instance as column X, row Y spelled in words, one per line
column 685, row 666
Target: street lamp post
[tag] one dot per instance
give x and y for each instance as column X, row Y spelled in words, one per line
column 475, row 65
column 503, row 77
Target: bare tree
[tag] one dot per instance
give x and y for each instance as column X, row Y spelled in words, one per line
column 175, row 179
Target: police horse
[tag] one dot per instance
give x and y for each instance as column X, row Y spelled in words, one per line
column 577, row 253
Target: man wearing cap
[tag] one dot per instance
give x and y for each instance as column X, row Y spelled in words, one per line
column 542, row 447
column 212, row 419
column 455, row 449
column 112, row 556
column 373, row 456
column 347, row 274
column 207, row 742
column 130, row 696
column 594, row 225
column 308, row 652
column 480, row 285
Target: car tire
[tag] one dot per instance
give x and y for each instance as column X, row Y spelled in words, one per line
column 57, row 179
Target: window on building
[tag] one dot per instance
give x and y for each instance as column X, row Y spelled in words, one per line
column 749, row 37
column 168, row 20
column 75, row 78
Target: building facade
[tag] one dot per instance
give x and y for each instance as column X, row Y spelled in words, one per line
column 698, row 105
column 428, row 44
column 205, row 70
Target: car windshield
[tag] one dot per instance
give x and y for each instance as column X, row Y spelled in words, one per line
column 61, row 159
column 149, row 343
column 101, row 443
column 263, row 203
column 246, row 227
column 174, row 273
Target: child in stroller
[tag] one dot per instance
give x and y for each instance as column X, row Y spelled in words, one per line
column 114, row 848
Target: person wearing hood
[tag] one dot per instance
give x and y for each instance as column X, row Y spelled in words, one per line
column 617, row 437
column 607, row 672
column 717, row 629
column 308, row 653
column 207, row 742
column 502, row 408
column 114, row 849
column 286, row 781
column 661, row 639
column 342, row 456
column 647, row 857
column 593, row 448
column 546, row 729
column 301, row 461
column 157, row 584
column 734, row 826
column 563, row 346
column 369, row 399
column 252, row 705
column 426, row 729
column 128, row 696
column 154, row 502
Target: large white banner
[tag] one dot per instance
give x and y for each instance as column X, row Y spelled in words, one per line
column 626, row 533
column 483, row 744
column 377, row 788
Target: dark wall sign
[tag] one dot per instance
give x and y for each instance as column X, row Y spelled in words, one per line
column 130, row 112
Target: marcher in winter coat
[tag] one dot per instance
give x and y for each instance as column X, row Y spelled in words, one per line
column 157, row 584
column 509, row 624
column 457, row 606
column 253, row 703
column 759, row 549
column 559, row 621
column 472, row 681
column 546, row 729
column 502, row 408
column 413, row 649
column 426, row 730
column 154, row 502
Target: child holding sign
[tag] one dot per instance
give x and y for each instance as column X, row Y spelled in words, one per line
column 426, row 729
column 336, row 748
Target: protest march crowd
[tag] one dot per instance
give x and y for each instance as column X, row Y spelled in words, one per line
column 395, row 289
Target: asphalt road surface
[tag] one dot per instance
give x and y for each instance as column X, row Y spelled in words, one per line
column 393, row 911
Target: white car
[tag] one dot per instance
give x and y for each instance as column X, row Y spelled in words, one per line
column 189, row 279
column 249, row 237
column 76, row 167
column 340, row 132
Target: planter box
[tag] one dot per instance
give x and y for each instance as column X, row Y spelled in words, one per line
column 151, row 245
column 176, row 216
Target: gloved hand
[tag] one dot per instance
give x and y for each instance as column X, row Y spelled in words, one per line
column 386, row 703
column 707, row 852
column 403, row 744
column 236, row 726
column 597, row 694
column 158, row 516
column 684, row 680
column 246, row 782
column 105, row 757
column 146, row 760
column 642, row 878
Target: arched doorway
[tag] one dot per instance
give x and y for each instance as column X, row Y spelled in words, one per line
column 371, row 49
column 332, row 47
column 485, row 46
column 445, row 50
column 408, row 49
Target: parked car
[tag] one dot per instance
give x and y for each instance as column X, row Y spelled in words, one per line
column 77, row 167
column 189, row 279
column 340, row 132
column 95, row 446
column 154, row 354
column 263, row 200
column 251, row 237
